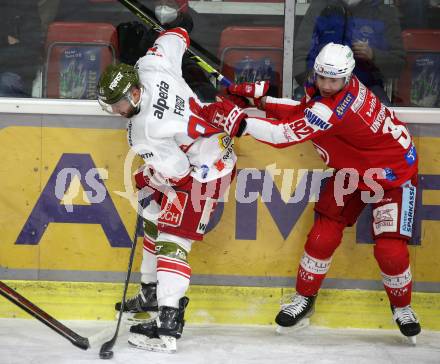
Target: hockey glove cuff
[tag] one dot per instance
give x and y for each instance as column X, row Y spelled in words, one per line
column 252, row 91
column 225, row 115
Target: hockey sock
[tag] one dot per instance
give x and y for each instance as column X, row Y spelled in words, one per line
column 393, row 258
column 398, row 288
column 322, row 241
column 148, row 266
column 173, row 273
column 311, row 273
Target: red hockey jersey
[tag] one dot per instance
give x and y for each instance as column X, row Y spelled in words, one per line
column 351, row 129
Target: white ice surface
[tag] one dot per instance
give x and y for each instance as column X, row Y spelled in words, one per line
column 28, row 341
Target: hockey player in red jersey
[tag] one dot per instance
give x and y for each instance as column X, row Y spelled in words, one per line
column 188, row 163
column 370, row 150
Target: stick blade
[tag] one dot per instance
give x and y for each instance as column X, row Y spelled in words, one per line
column 106, row 351
column 81, row 342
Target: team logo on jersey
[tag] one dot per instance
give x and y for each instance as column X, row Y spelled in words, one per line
column 130, row 133
column 385, row 218
column 314, row 119
column 372, row 102
column 408, row 207
column 360, row 98
column 411, row 155
column 153, row 52
column 179, row 106
column 377, row 123
column 224, row 141
column 342, row 107
column 389, row 174
column 226, row 144
column 172, row 210
column 219, row 165
column 161, row 103
column 146, row 155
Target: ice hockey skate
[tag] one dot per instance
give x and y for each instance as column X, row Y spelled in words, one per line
column 160, row 335
column 142, row 307
column 407, row 321
column 295, row 314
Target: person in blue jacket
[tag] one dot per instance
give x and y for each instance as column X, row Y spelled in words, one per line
column 369, row 27
column 21, row 47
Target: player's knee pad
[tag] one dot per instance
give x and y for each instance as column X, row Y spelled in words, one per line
column 392, row 255
column 324, row 238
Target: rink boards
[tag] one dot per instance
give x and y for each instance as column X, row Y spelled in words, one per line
column 55, row 234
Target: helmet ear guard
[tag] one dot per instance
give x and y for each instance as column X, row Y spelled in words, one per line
column 335, row 61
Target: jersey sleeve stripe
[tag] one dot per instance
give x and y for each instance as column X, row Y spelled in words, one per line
column 179, row 32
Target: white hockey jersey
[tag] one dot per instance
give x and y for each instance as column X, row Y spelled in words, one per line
column 159, row 132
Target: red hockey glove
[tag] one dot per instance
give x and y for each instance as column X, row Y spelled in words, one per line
column 240, row 101
column 252, row 91
column 225, row 115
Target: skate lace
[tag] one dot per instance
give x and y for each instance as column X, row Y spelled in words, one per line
column 295, row 307
column 138, row 298
column 405, row 315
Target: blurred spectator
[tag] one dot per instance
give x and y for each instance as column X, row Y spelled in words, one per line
column 369, row 27
column 48, row 10
column 414, row 13
column 173, row 13
column 135, row 39
column 20, row 47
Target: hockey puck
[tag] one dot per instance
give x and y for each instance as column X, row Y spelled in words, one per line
column 106, row 354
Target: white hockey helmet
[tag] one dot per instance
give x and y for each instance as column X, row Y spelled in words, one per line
column 335, row 61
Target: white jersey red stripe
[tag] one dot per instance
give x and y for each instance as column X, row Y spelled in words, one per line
column 166, row 264
column 179, row 32
column 162, row 130
column 149, row 245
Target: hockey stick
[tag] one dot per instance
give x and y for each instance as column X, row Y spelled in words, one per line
column 106, row 351
column 142, row 13
column 26, row 305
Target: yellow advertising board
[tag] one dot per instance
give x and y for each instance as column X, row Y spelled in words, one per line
column 65, row 217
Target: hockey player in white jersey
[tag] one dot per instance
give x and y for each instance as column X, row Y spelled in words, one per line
column 182, row 153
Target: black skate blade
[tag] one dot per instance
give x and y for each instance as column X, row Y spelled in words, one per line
column 302, row 324
column 166, row 344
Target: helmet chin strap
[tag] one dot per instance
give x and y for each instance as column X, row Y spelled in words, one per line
column 137, row 105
